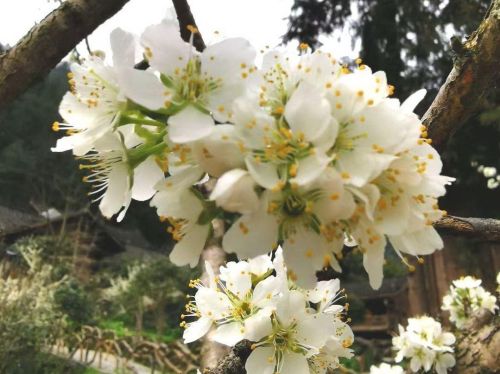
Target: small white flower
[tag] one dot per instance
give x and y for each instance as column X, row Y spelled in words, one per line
column 182, row 208
column 465, row 297
column 115, row 173
column 196, row 86
column 425, row 344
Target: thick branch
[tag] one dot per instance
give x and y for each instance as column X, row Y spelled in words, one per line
column 474, row 74
column 486, row 229
column 49, row 41
column 234, row 362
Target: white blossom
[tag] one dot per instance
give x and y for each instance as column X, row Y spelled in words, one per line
column 465, row 297
column 425, row 345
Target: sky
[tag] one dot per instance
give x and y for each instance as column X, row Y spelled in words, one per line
column 262, row 22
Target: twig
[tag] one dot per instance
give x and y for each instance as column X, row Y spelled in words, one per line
column 486, row 229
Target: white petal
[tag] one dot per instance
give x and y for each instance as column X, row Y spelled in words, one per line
column 261, row 361
column 225, row 59
column 310, row 168
column 218, row 152
column 212, row 303
column 181, row 180
column 265, row 291
column 308, row 112
column 363, row 166
column 188, row 249
column 237, row 278
column 291, row 307
column 123, row 47
column 197, row 329
column 259, row 325
column 142, row 87
column 229, row 334
column 168, row 50
column 294, row 363
column 189, row 125
column 373, row 262
column 315, row 329
column 413, row 100
column 252, row 234
column 235, row 192
column 264, row 173
column 178, row 204
column 146, row 176
column 116, row 194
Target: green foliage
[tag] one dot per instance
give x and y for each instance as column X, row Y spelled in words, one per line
column 29, row 320
column 73, row 301
column 51, row 250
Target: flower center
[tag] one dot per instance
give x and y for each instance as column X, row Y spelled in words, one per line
column 294, row 205
column 192, row 85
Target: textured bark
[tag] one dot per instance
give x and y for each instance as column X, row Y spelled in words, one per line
column 49, row 41
column 485, row 229
column 478, row 345
column 473, row 76
column 234, row 362
column 212, row 352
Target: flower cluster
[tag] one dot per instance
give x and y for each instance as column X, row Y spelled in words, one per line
column 304, row 151
column 465, row 297
column 384, row 368
column 293, row 330
column 425, row 344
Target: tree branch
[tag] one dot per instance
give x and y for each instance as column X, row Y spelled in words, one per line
column 473, row 76
column 185, row 18
column 234, row 362
column 48, row 42
column 486, row 229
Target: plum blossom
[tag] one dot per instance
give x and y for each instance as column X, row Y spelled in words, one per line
column 425, row 344
column 294, row 330
column 196, row 89
column 465, row 297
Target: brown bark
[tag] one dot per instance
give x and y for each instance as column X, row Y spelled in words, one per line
column 485, row 229
column 478, row 345
column 49, row 41
column 471, row 79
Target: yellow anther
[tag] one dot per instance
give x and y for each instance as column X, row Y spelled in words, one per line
column 192, row 29
column 303, row 46
column 334, row 196
column 309, row 253
column 55, row 126
column 244, row 229
column 279, row 110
